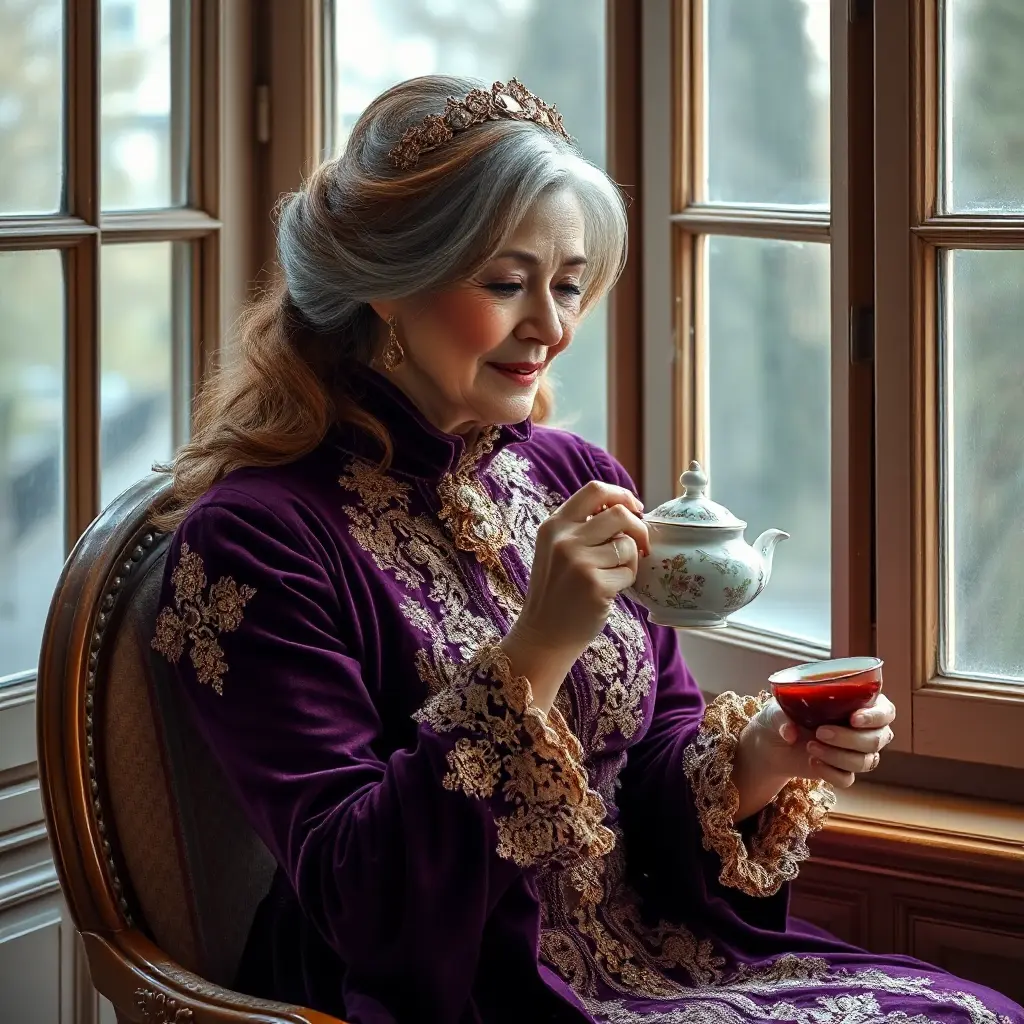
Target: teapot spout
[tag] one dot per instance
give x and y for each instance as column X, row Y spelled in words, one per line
column 765, row 547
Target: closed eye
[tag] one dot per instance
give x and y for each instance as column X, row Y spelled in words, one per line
column 511, row 287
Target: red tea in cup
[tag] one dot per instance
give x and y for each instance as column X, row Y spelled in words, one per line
column 827, row 692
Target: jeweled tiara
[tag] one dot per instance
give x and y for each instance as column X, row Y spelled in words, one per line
column 512, row 102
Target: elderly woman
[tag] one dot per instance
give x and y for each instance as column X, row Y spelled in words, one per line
column 394, row 603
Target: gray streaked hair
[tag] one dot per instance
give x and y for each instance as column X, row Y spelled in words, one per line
column 360, row 230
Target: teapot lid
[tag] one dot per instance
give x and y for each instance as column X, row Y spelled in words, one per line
column 693, row 508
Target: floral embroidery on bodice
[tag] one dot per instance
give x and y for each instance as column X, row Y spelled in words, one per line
column 494, row 516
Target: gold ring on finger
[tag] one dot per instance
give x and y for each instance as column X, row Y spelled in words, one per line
column 618, row 554
column 875, row 759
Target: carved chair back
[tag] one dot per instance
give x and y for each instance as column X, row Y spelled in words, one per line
column 161, row 872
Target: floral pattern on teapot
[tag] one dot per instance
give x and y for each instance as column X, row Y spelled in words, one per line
column 700, row 569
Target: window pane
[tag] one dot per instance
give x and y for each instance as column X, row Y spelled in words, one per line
column 143, row 103
column 556, row 49
column 983, row 463
column 31, row 106
column 984, row 97
column 143, row 371
column 31, row 450
column 769, row 369
column 767, row 102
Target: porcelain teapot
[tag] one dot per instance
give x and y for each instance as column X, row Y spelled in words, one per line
column 700, row 569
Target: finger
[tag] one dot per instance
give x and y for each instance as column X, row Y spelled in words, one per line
column 790, row 733
column 617, row 580
column 882, row 712
column 842, row 760
column 866, row 741
column 833, row 776
column 619, row 551
column 613, row 521
column 778, row 721
column 590, row 498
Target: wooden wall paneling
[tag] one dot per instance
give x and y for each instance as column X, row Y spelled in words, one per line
column 954, row 900
column 38, row 977
column 984, row 954
column 841, row 895
column 17, row 726
column 20, row 805
column 834, row 901
column 971, row 932
column 40, row 981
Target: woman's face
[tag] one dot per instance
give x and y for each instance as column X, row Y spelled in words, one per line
column 475, row 352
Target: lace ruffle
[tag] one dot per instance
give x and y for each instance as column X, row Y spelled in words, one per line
column 530, row 761
column 773, row 854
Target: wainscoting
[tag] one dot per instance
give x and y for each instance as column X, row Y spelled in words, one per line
column 935, row 886
column 43, row 975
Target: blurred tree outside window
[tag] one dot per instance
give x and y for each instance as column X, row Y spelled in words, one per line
column 981, row 292
column 768, row 331
column 143, row 293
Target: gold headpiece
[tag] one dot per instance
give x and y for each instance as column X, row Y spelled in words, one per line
column 510, row 102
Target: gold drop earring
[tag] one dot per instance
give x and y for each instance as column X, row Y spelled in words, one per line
column 393, row 355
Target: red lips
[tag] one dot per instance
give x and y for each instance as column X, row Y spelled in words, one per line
column 523, row 368
column 522, row 374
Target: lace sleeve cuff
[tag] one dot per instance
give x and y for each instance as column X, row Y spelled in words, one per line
column 527, row 763
column 772, row 856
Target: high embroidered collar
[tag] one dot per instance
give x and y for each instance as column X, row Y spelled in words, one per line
column 420, row 449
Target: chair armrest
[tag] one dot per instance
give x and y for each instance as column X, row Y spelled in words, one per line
column 147, row 987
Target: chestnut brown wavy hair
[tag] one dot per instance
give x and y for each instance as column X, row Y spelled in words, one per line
column 359, row 230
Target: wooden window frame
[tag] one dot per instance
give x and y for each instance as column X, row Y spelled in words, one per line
column 289, row 76
column 885, row 233
column 216, row 223
column 948, row 718
column 674, row 402
column 625, row 108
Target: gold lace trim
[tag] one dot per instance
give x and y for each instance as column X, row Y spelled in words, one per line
column 476, row 523
column 199, row 617
column 780, row 844
column 617, row 668
column 531, row 758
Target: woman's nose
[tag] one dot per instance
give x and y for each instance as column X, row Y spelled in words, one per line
column 545, row 325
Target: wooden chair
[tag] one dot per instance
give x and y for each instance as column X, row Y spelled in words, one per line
column 160, row 871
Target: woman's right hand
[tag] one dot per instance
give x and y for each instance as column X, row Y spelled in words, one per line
column 587, row 553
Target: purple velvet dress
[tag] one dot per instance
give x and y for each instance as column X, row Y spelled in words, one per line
column 447, row 852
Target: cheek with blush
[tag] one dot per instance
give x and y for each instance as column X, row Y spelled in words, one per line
column 473, row 322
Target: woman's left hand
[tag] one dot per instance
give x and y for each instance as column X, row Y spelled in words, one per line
column 834, row 753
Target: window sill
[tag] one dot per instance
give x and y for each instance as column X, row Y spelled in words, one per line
column 953, row 834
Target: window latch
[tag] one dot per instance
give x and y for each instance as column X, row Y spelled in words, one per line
column 862, row 334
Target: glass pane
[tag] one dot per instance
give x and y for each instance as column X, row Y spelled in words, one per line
column 31, row 450
column 769, row 369
column 556, row 49
column 143, row 104
column 767, row 102
column 140, row 362
column 31, row 106
column 983, row 463
column 984, row 99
